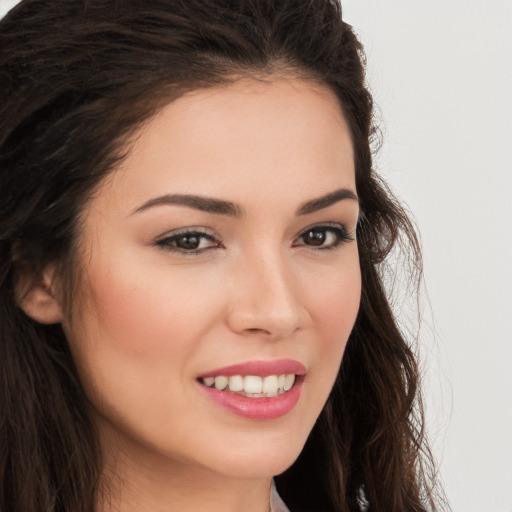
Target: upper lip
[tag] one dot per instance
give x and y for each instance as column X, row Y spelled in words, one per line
column 260, row 368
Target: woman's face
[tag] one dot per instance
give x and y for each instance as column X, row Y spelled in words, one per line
column 223, row 246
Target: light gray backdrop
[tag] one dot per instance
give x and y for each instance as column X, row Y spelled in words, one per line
column 441, row 74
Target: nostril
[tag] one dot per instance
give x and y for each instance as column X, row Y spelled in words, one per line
column 275, row 333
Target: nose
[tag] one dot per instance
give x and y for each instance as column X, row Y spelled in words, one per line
column 266, row 300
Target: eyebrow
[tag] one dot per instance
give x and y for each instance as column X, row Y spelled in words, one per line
column 325, row 201
column 205, row 204
column 221, row 207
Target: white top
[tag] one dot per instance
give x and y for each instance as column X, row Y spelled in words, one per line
column 276, row 503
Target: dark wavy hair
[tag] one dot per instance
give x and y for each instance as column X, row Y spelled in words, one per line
column 77, row 78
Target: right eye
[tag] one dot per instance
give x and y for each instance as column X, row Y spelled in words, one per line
column 188, row 242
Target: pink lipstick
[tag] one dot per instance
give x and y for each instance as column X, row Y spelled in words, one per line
column 260, row 368
column 261, row 390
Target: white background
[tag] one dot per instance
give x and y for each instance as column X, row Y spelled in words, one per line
column 441, row 74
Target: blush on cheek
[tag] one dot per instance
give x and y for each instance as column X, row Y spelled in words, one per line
column 340, row 305
column 336, row 314
column 139, row 314
column 125, row 314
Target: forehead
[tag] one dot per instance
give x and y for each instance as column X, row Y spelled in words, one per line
column 236, row 139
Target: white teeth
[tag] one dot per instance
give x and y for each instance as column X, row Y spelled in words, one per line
column 270, row 384
column 221, row 382
column 252, row 385
column 236, row 383
column 209, row 381
column 288, row 382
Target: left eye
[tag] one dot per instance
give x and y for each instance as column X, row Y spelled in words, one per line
column 324, row 237
column 190, row 242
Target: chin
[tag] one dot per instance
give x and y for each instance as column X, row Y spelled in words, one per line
column 261, row 459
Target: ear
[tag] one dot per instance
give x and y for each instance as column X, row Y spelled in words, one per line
column 37, row 297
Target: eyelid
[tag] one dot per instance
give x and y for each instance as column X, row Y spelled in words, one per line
column 343, row 234
column 164, row 241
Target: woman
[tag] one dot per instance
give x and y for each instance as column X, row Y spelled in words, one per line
column 191, row 235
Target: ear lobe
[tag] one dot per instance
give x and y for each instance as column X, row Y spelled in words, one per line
column 37, row 297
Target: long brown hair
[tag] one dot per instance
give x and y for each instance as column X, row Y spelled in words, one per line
column 77, row 78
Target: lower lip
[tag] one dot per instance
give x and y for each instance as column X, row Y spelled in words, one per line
column 256, row 408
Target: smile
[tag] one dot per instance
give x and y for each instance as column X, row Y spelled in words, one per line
column 257, row 390
column 252, row 386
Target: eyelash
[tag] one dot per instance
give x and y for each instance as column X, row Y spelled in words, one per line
column 338, row 230
column 168, row 243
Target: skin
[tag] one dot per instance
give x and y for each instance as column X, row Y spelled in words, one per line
column 148, row 318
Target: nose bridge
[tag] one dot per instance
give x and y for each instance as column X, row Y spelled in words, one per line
column 267, row 299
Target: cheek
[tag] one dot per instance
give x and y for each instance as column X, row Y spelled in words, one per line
column 338, row 310
column 335, row 310
column 132, row 314
column 337, row 299
column 133, row 335
column 134, row 342
column 148, row 313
